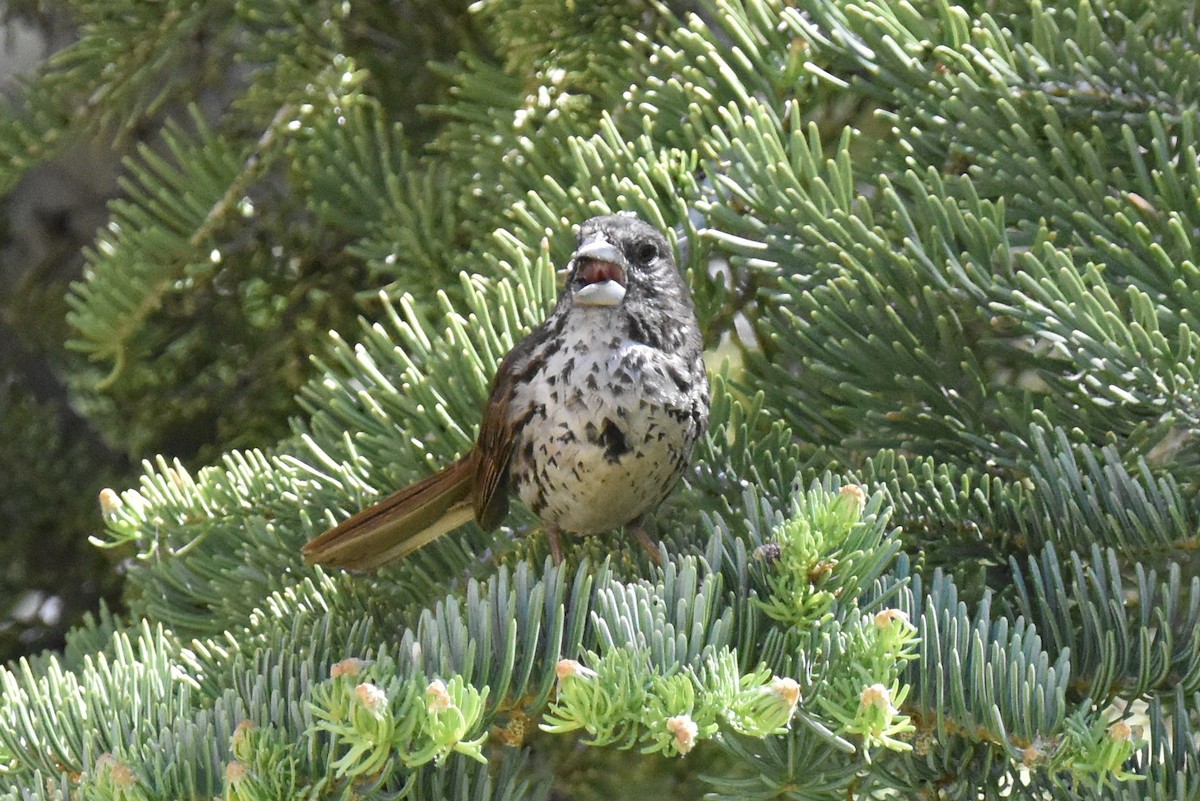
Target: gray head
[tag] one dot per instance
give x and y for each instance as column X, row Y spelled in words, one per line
column 623, row 263
column 620, row 256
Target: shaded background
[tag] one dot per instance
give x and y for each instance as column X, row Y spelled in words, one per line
column 66, row 430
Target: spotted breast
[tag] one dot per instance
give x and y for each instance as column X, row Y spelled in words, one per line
column 609, row 426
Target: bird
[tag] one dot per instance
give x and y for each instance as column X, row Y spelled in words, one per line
column 591, row 420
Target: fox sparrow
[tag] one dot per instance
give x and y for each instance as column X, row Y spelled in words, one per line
column 591, row 419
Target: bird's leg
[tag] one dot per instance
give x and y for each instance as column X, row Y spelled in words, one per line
column 648, row 543
column 555, row 544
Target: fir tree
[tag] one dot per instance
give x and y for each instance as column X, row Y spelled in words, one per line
column 938, row 543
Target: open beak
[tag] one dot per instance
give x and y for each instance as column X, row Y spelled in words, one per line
column 599, row 268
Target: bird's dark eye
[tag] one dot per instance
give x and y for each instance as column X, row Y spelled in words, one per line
column 646, row 252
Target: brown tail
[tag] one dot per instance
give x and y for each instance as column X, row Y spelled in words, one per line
column 400, row 523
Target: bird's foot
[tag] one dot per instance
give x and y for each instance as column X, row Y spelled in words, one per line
column 552, row 535
column 648, row 543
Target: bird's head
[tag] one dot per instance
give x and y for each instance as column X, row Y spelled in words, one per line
column 618, row 258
